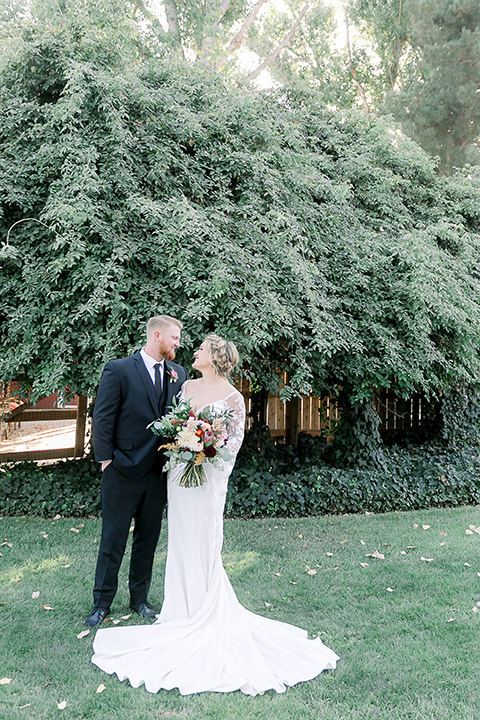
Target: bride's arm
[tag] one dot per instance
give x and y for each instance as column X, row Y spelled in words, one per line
column 236, row 424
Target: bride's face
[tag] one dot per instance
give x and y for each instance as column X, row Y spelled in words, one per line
column 202, row 358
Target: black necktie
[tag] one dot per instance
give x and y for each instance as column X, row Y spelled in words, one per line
column 158, row 380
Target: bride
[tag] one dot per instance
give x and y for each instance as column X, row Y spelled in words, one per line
column 203, row 639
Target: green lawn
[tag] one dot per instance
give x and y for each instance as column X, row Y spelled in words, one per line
column 406, row 628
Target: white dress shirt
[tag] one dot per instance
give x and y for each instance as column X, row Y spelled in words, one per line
column 150, row 363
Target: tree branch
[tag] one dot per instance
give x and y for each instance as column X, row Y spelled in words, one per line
column 281, row 45
column 224, row 5
column 354, row 71
column 173, row 27
column 238, row 39
column 154, row 21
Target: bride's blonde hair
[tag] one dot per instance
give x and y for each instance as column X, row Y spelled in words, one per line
column 223, row 354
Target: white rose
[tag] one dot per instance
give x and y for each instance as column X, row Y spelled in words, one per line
column 188, row 439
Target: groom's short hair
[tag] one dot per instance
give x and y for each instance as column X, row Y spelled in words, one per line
column 161, row 323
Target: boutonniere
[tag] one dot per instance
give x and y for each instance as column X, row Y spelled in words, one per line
column 173, row 375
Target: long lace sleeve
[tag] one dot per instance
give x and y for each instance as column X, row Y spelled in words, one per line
column 236, row 425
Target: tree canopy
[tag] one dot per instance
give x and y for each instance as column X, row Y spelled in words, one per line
column 323, row 243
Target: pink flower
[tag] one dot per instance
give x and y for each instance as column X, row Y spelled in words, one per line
column 173, row 375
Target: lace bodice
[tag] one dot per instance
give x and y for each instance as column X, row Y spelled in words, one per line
column 236, row 425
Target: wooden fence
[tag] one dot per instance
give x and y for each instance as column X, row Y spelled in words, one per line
column 26, row 412
column 312, row 415
column 319, row 415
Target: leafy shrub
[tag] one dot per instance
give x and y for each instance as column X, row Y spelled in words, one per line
column 271, row 479
column 71, row 487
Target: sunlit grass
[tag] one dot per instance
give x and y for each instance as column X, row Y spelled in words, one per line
column 406, row 628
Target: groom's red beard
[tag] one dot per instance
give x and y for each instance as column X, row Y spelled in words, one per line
column 167, row 351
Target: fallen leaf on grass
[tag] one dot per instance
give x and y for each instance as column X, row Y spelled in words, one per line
column 468, row 532
column 427, row 559
column 342, row 542
column 36, row 595
column 467, row 564
column 477, row 530
column 415, row 525
column 101, row 688
column 450, row 619
column 8, row 544
column 22, row 707
column 278, row 575
column 442, row 544
column 300, row 536
column 362, row 542
column 411, row 547
column 364, row 564
column 81, row 525
column 389, row 589
column 426, row 527
column 310, row 571
column 292, row 582
column 475, row 609
column 115, row 622
column 402, row 552
column 376, row 554
column 268, row 604
column 45, row 536
column 66, row 566
column 83, row 634
column 47, row 607
column 329, row 554
column 126, row 617
column 74, row 530
column 5, row 681
column 57, row 517
column 443, row 533
column 62, row 705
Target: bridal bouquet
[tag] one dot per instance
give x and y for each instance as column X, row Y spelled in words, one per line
column 196, row 438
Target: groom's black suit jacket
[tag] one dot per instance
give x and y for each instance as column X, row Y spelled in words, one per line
column 125, row 404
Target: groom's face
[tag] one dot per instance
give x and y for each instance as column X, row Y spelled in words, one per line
column 168, row 342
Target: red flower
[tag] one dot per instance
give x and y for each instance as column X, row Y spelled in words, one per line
column 210, row 451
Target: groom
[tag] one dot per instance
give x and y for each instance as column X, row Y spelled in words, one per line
column 132, row 393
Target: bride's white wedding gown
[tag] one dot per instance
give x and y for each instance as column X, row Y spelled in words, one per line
column 203, row 638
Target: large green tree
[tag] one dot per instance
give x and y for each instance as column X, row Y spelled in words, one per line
column 415, row 59
column 323, row 243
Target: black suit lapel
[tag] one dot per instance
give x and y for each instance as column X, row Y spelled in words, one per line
column 147, row 381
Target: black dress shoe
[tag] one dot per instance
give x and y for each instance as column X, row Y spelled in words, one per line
column 97, row 616
column 145, row 610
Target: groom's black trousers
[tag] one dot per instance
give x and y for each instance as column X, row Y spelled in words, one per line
column 125, row 498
